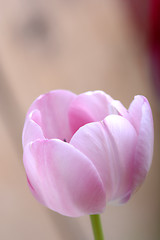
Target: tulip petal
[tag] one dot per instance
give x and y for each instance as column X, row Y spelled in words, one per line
column 135, row 111
column 144, row 149
column 32, row 130
column 94, row 142
column 89, row 107
column 124, row 138
column 63, row 179
column 110, row 145
column 53, row 108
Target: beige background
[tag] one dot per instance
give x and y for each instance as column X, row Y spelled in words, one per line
column 76, row 45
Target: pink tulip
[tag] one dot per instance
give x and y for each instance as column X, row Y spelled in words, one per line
column 82, row 151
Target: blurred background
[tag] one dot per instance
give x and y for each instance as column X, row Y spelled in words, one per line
column 78, row 45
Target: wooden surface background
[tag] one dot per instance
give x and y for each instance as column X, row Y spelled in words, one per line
column 76, row 45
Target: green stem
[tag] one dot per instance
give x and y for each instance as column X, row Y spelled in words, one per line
column 97, row 227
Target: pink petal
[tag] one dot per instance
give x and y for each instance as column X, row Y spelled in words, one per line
column 32, row 130
column 124, row 139
column 144, row 149
column 89, row 107
column 53, row 108
column 94, row 142
column 110, row 146
column 63, row 179
column 135, row 111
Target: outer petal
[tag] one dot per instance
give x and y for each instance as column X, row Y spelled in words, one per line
column 144, row 149
column 63, row 179
column 110, row 145
column 135, row 111
column 32, row 129
column 89, row 107
column 53, row 108
column 140, row 115
column 124, row 139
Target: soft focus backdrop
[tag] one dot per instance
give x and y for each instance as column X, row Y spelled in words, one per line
column 76, row 45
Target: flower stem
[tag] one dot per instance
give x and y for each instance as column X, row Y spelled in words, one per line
column 97, row 227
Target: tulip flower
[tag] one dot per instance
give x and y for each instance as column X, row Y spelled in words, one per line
column 83, row 151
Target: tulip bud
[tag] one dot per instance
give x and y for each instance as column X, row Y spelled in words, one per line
column 83, row 151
